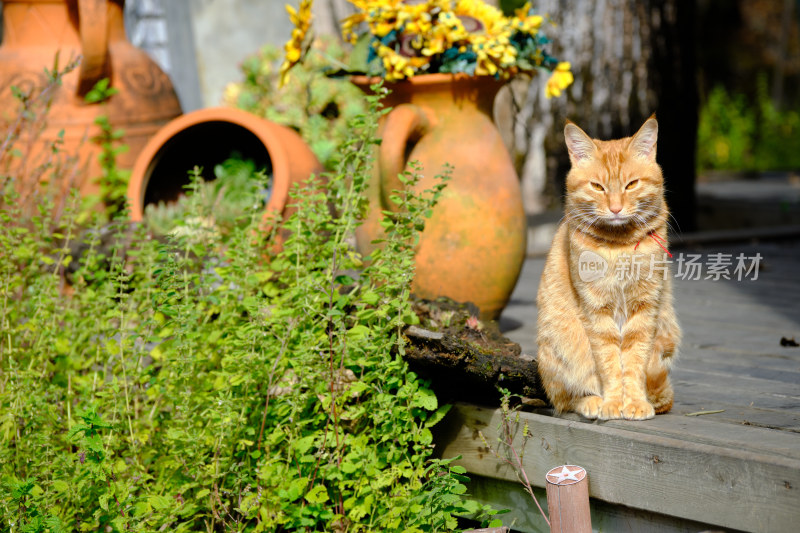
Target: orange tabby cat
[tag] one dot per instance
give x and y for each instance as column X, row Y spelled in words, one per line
column 607, row 329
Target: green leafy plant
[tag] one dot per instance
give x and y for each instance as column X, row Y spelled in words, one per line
column 505, row 450
column 213, row 385
column 778, row 146
column 113, row 180
column 317, row 106
column 237, row 190
column 737, row 133
column 21, row 498
column 33, row 171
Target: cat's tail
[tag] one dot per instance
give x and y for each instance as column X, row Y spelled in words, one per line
column 659, row 392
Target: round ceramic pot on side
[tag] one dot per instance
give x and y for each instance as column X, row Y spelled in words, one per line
column 473, row 246
column 34, row 31
column 208, row 137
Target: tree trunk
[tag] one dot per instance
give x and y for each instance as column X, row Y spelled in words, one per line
column 629, row 59
column 328, row 14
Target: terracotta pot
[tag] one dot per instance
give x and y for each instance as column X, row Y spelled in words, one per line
column 209, row 136
column 35, row 30
column 473, row 246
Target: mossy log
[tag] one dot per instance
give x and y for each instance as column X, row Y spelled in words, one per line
column 468, row 360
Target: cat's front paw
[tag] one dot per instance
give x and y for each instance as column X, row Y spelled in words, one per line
column 589, row 406
column 638, row 410
column 595, row 407
column 610, row 410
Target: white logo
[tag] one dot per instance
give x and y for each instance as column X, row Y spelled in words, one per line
column 591, row 266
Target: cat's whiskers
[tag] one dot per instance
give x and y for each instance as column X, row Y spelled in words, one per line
column 585, row 226
column 580, row 213
column 671, row 228
column 650, row 209
column 641, row 222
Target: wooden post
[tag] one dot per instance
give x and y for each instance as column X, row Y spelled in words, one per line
column 568, row 500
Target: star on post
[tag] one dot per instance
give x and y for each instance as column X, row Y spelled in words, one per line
column 560, row 477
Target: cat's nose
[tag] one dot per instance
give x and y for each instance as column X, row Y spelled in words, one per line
column 615, row 209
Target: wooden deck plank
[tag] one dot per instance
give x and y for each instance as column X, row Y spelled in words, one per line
column 525, row 517
column 738, row 308
column 745, row 386
column 701, row 394
column 779, row 360
column 754, row 341
column 702, row 321
column 737, row 415
column 744, row 369
column 725, row 486
column 707, row 430
column 783, row 314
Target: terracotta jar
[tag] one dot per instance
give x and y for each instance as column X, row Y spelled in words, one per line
column 35, row 30
column 473, row 246
column 207, row 137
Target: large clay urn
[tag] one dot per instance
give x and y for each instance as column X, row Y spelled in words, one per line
column 473, row 246
column 207, row 137
column 35, row 30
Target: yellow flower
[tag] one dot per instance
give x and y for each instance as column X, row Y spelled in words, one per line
column 489, row 16
column 447, row 32
column 560, row 79
column 397, row 67
column 350, row 24
column 411, row 36
column 495, row 54
column 231, row 94
column 524, row 22
column 301, row 18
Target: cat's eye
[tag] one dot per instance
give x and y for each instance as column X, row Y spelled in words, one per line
column 631, row 184
column 596, row 186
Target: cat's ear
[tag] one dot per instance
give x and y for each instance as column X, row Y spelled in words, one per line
column 580, row 146
column 643, row 144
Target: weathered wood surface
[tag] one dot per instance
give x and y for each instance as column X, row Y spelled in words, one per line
column 568, row 500
column 722, row 485
column 523, row 516
column 736, row 469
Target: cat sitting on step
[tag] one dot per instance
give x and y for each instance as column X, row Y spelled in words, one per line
column 607, row 331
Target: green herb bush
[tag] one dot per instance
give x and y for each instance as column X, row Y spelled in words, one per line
column 237, row 187
column 738, row 133
column 318, row 106
column 44, row 171
column 208, row 384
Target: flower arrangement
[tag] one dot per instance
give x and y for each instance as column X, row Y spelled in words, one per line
column 399, row 39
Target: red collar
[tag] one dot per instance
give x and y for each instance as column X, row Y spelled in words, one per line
column 659, row 241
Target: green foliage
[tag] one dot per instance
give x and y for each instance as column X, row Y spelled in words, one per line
column 113, row 180
column 317, row 106
column 778, row 146
column 237, row 189
column 736, row 134
column 22, row 498
column 212, row 385
column 33, row 173
column 510, row 6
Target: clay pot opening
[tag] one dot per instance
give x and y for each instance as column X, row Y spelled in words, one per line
column 208, row 137
column 206, row 145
